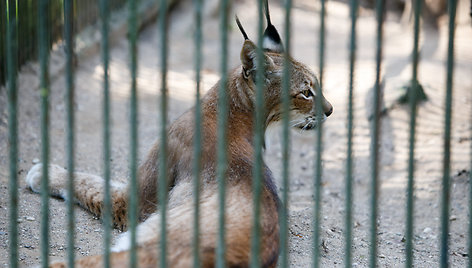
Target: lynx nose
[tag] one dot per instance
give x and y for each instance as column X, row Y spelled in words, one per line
column 327, row 108
column 329, row 112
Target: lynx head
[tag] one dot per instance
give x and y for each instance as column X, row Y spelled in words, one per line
column 303, row 82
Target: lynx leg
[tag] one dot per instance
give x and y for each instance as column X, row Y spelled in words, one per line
column 89, row 191
column 147, row 257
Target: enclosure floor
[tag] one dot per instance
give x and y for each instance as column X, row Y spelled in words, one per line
column 394, row 142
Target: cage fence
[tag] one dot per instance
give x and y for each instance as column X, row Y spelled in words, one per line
column 29, row 30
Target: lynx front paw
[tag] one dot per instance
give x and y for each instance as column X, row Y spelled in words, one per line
column 33, row 178
column 57, row 179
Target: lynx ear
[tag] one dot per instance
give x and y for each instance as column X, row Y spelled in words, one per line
column 241, row 28
column 271, row 39
column 248, row 52
column 249, row 59
column 248, row 55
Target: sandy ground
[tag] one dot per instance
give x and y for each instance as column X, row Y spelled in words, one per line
column 394, row 143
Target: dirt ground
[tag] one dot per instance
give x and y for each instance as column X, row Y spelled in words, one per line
column 394, row 141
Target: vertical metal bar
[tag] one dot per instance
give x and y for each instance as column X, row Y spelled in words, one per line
column 447, row 139
column 317, row 179
column 322, row 41
column 222, row 164
column 285, row 139
column 44, row 35
column 19, row 24
column 19, row 32
column 258, row 143
column 11, row 50
column 470, row 13
column 319, row 149
column 380, row 10
column 107, row 206
column 469, row 250
column 133, row 192
column 411, row 160
column 197, row 153
column 69, row 100
column 29, row 30
column 162, row 194
column 354, row 4
column 3, row 41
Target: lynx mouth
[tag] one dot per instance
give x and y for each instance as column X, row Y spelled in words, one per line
column 309, row 123
column 306, row 126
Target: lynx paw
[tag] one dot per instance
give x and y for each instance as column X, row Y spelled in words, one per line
column 33, row 178
column 57, row 179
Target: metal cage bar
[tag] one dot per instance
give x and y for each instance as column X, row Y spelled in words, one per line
column 107, row 206
column 354, row 5
column 318, row 144
column 445, row 198
column 43, row 34
column 258, row 142
column 46, row 18
column 377, row 100
column 222, row 121
column 69, row 100
column 11, row 48
column 321, row 51
column 198, row 132
column 133, row 191
column 413, row 94
column 284, row 213
column 163, row 172
column 469, row 242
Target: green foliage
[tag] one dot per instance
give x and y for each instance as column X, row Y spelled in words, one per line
column 86, row 13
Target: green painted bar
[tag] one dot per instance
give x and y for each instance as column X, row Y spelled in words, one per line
column 321, row 52
column 469, row 250
column 197, row 153
column 317, row 180
column 12, row 128
column 133, row 191
column 162, row 192
column 284, row 213
column 222, row 121
column 319, row 144
column 69, row 100
column 258, row 143
column 469, row 244
column 3, row 41
column 107, row 206
column 43, row 35
column 380, row 12
column 29, row 36
column 445, row 198
column 354, row 5
column 413, row 93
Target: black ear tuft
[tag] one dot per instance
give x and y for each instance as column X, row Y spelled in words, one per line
column 241, row 28
column 271, row 40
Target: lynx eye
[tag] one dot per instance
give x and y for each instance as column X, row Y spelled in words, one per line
column 307, row 93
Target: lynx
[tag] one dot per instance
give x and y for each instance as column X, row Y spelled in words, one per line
column 89, row 191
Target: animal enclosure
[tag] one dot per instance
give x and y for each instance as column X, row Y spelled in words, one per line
column 385, row 181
